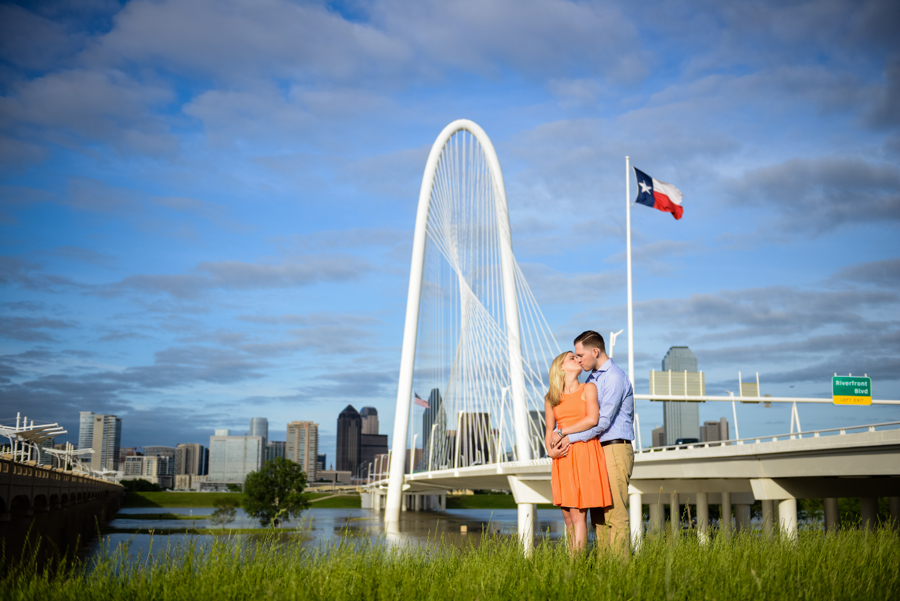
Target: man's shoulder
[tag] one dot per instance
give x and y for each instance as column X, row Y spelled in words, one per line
column 615, row 371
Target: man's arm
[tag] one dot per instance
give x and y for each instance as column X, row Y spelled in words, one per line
column 592, row 432
column 611, row 398
column 586, row 434
column 611, row 393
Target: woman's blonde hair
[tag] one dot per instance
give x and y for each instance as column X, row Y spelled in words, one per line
column 557, row 379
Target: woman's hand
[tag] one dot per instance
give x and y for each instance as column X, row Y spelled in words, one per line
column 558, row 450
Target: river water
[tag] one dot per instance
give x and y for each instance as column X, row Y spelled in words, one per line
column 325, row 525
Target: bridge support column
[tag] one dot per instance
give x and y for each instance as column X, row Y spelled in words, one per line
column 703, row 517
column 742, row 517
column 768, row 517
column 725, row 514
column 868, row 507
column 787, row 518
column 444, row 501
column 657, row 518
column 636, row 517
column 526, row 526
column 832, row 515
column 675, row 515
column 404, row 502
column 895, row 513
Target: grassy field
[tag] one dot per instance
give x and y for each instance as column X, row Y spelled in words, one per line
column 847, row 565
column 206, row 499
column 177, row 499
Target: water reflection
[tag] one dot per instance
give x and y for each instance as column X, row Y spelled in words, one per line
column 318, row 526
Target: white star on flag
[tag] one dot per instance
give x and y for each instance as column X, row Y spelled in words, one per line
column 644, row 187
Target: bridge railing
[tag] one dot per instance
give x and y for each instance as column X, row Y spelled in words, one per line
column 771, row 438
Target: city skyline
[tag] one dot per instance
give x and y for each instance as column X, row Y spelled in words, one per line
column 200, row 230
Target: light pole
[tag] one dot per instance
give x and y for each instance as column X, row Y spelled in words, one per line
column 737, row 433
column 612, row 341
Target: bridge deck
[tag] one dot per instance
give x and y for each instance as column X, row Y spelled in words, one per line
column 862, row 464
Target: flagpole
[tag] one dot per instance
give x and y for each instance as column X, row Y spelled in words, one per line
column 628, row 261
column 630, row 304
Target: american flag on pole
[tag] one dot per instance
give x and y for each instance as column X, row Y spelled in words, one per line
column 420, row 401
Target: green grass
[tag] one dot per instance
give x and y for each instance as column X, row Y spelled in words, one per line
column 847, row 565
column 206, row 499
column 177, row 499
column 161, row 516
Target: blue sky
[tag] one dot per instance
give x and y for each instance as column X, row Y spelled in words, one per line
column 208, row 207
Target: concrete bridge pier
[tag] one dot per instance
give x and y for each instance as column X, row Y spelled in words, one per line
column 675, row 515
column 768, row 516
column 657, row 518
column 526, row 526
column 869, row 512
column 725, row 514
column 832, row 515
column 742, row 517
column 703, row 517
column 636, row 518
column 787, row 517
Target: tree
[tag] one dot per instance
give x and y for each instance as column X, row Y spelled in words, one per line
column 140, row 485
column 275, row 492
column 225, row 513
column 234, row 487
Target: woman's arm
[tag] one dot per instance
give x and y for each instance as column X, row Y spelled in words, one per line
column 550, row 420
column 589, row 396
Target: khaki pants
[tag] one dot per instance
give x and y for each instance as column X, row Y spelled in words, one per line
column 611, row 524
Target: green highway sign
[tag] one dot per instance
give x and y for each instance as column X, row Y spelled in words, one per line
column 850, row 390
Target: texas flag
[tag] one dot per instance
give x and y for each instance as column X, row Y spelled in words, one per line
column 658, row 195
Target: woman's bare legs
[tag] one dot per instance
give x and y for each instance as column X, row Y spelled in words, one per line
column 569, row 528
column 576, row 528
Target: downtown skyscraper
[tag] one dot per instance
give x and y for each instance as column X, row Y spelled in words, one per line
column 302, row 447
column 682, row 419
column 349, row 434
column 103, row 433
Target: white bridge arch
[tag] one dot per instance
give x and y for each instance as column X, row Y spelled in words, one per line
column 463, row 214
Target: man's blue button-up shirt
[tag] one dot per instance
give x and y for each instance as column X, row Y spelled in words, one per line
column 616, row 398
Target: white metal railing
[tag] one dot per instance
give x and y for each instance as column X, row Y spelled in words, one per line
column 761, row 439
column 701, row 398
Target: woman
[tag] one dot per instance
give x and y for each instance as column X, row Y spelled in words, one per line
column 579, row 478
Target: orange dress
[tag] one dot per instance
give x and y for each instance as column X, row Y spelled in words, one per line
column 579, row 479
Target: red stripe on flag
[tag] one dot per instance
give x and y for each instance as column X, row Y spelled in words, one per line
column 664, row 204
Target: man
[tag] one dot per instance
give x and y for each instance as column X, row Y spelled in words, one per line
column 615, row 428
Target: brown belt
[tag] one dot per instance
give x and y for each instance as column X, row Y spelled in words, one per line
column 615, row 441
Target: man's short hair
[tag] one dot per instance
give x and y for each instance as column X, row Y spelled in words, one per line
column 591, row 339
